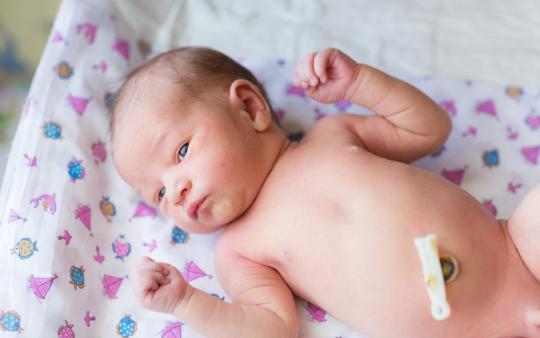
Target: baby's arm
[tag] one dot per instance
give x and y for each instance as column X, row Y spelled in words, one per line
column 407, row 124
column 263, row 305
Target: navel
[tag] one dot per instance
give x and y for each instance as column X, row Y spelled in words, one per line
column 450, row 268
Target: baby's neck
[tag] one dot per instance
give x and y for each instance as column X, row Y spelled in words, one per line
column 280, row 144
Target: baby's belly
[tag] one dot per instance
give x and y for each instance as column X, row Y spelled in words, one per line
column 350, row 251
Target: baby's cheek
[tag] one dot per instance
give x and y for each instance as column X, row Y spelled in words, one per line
column 222, row 211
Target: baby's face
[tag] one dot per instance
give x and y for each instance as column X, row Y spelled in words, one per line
column 193, row 160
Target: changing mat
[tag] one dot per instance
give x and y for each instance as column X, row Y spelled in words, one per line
column 71, row 229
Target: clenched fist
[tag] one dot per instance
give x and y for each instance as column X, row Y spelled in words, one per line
column 327, row 76
column 158, row 286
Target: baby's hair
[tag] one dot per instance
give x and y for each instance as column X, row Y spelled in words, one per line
column 196, row 69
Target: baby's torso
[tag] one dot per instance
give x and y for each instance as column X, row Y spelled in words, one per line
column 339, row 224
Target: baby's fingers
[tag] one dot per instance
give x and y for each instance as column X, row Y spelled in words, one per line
column 300, row 79
column 171, row 271
column 309, row 72
column 296, row 81
column 320, row 63
column 305, row 75
column 144, row 263
column 150, row 281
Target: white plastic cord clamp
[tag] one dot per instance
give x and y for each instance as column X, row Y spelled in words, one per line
column 433, row 275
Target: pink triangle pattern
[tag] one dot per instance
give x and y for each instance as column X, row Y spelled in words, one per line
column 192, row 271
column 531, row 154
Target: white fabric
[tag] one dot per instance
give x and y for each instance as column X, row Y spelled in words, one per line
column 488, row 40
column 54, row 210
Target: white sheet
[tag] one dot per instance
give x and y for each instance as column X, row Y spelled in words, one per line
column 493, row 153
column 488, row 40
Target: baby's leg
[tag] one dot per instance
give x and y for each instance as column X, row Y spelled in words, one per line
column 524, row 228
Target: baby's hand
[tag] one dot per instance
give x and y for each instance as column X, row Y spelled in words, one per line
column 327, row 75
column 158, row 286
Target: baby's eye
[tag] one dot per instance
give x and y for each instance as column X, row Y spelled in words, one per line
column 183, row 151
column 161, row 194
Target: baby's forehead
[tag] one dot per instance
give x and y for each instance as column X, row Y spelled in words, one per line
column 148, row 92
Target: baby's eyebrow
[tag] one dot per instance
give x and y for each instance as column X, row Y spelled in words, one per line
column 158, row 142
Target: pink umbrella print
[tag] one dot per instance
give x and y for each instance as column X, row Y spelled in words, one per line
column 122, row 47
column 531, row 154
column 84, row 214
column 41, row 285
column 111, row 284
column 487, row 107
column 455, row 176
column 78, row 104
column 316, row 313
column 143, row 210
column 172, row 330
column 192, row 271
column 449, row 106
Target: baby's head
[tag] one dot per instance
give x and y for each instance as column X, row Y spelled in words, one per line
column 193, row 132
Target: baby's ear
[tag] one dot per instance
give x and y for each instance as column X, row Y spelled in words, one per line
column 246, row 96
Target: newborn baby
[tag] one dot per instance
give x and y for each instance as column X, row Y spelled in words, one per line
column 337, row 219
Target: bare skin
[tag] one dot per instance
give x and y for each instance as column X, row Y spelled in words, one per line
column 331, row 219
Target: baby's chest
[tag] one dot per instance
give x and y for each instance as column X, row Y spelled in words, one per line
column 310, row 224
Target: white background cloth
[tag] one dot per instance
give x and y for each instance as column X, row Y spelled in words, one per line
column 496, row 41
column 492, row 153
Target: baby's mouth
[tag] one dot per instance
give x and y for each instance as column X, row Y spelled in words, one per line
column 193, row 209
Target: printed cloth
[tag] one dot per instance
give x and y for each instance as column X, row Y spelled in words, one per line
column 71, row 229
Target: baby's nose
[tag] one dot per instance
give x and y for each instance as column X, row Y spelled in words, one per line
column 176, row 189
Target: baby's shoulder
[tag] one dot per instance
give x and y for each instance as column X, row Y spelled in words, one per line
column 333, row 128
column 240, row 241
column 331, row 123
column 232, row 236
